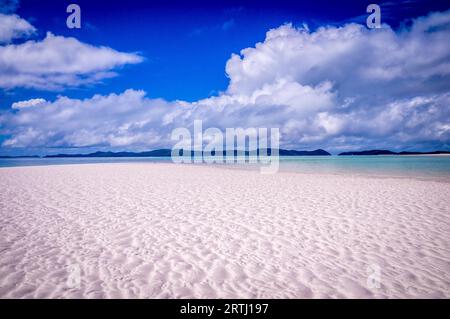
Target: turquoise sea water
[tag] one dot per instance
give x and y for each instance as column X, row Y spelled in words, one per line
column 15, row 162
column 402, row 166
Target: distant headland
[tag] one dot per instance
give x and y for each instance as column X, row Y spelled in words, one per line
column 387, row 152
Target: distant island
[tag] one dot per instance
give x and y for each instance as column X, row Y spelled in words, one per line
column 167, row 153
column 282, row 152
column 155, row 153
column 387, row 152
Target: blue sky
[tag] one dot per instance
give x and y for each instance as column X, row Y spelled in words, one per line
column 179, row 50
column 187, row 43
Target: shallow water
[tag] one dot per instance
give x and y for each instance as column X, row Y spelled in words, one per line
column 400, row 166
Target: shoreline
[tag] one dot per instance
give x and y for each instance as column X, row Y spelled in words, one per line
column 254, row 167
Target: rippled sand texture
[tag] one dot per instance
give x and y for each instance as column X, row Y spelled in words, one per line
column 170, row 231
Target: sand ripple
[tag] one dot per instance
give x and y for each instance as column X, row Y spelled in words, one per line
column 169, row 231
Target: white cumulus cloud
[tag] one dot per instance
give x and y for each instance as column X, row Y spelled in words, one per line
column 13, row 27
column 55, row 62
column 28, row 103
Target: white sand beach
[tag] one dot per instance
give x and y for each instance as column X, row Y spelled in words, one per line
column 168, row 231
